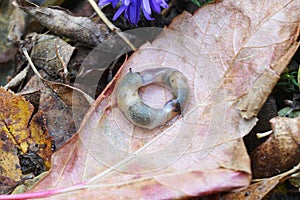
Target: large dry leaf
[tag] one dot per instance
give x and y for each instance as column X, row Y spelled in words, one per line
column 224, row 50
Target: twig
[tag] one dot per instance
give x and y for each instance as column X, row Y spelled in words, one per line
column 31, row 63
column 112, row 27
column 18, row 78
column 283, row 175
column 265, row 134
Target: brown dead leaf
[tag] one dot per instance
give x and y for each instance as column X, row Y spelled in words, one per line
column 255, row 191
column 281, row 151
column 5, row 12
column 223, row 50
column 21, row 133
column 29, row 183
column 52, row 54
column 9, row 167
column 17, row 25
column 64, row 107
column 7, row 50
column 26, row 131
column 12, row 28
column 260, row 189
column 40, row 142
column 15, row 114
column 7, row 184
column 79, row 29
column 45, row 3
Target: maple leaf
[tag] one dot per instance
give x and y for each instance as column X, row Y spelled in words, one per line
column 225, row 50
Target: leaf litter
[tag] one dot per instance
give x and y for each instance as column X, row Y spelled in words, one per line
column 202, row 151
column 64, row 107
column 22, row 134
column 280, row 152
column 79, row 29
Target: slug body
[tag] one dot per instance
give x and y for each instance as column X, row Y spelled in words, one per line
column 141, row 114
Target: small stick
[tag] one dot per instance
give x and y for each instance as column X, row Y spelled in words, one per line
column 18, row 78
column 31, row 63
column 265, row 134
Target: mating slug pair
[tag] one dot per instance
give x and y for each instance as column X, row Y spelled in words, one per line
column 141, row 114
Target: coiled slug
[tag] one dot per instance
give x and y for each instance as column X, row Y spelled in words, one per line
column 141, row 114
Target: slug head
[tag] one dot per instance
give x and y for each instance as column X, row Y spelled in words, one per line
column 173, row 106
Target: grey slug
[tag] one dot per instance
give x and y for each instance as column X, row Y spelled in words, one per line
column 141, row 114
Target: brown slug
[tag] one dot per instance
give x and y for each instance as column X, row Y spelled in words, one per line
column 141, row 114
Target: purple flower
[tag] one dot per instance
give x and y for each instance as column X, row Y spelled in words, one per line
column 132, row 8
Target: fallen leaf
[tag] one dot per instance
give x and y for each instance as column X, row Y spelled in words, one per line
column 223, row 50
column 7, row 50
column 29, row 183
column 281, row 151
column 7, row 184
column 39, row 141
column 52, row 54
column 63, row 106
column 6, row 9
column 45, row 3
column 79, row 29
column 10, row 167
column 21, row 133
column 17, row 25
column 260, row 189
column 26, row 131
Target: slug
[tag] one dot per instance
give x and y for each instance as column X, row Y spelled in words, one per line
column 141, row 114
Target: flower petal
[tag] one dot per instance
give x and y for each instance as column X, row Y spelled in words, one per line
column 146, row 7
column 119, row 12
column 155, row 6
column 103, row 2
column 147, row 15
column 134, row 12
column 163, row 4
column 114, row 3
column 126, row 2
